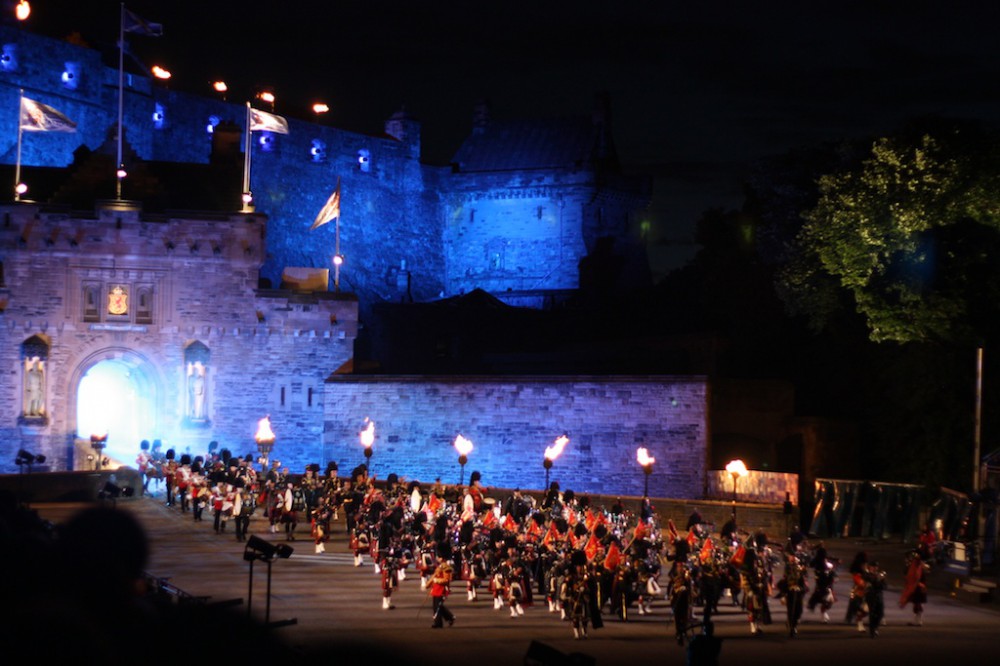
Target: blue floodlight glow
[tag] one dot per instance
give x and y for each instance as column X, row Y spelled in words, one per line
column 108, row 401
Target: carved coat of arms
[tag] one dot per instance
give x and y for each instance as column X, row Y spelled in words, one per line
column 118, row 301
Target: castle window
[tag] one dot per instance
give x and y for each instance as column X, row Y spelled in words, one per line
column 8, row 58
column 266, row 141
column 213, row 122
column 364, row 160
column 318, row 151
column 71, row 76
column 91, row 302
column 159, row 116
column 144, row 304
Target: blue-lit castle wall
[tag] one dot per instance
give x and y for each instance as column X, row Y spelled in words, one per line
column 408, row 230
column 515, row 214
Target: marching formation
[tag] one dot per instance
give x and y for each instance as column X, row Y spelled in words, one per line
column 573, row 559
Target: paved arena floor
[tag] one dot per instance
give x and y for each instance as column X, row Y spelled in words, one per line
column 323, row 604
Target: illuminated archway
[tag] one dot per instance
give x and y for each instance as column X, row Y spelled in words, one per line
column 116, row 391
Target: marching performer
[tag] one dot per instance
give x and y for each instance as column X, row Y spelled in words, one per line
column 440, row 587
column 824, row 575
column 680, row 599
column 875, row 578
column 753, row 581
column 915, row 589
column 577, row 594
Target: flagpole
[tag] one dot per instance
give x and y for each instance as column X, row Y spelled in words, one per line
column 245, row 194
column 20, row 133
column 337, row 259
column 121, row 98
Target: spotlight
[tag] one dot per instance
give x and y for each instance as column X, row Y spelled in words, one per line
column 265, row 551
column 27, row 458
column 259, row 549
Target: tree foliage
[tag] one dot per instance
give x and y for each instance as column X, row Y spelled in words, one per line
column 910, row 235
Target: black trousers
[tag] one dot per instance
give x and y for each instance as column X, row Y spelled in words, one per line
column 441, row 612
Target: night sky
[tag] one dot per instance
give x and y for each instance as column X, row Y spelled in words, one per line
column 698, row 90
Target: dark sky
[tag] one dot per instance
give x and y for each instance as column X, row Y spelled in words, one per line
column 698, row 89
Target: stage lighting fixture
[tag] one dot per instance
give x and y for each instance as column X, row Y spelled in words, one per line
column 265, row 551
column 28, row 458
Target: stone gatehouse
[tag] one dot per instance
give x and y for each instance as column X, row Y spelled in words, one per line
column 153, row 327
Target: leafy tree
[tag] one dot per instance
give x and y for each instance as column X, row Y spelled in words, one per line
column 910, row 235
column 908, row 239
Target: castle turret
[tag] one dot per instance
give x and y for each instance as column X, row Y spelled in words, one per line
column 405, row 128
column 480, row 116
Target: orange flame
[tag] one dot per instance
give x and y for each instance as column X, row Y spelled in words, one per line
column 463, row 446
column 554, row 451
column 368, row 434
column 643, row 457
column 737, row 468
column 264, row 432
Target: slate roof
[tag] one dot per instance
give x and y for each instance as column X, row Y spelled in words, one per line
column 529, row 144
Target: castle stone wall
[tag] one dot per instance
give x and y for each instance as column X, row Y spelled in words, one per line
column 511, row 421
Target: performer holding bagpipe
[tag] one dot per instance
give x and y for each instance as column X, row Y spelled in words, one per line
column 754, row 584
column 680, row 598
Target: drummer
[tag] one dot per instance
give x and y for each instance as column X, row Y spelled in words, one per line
column 477, row 492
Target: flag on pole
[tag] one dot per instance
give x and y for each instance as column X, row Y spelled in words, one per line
column 38, row 117
column 613, row 557
column 269, row 122
column 330, row 210
column 138, row 26
column 509, row 523
column 593, row 545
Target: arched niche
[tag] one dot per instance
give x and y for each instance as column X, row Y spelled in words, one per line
column 197, row 361
column 34, row 379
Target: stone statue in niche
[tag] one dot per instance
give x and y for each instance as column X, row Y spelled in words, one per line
column 34, row 387
column 197, row 391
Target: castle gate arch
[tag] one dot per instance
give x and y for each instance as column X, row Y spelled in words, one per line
column 118, row 391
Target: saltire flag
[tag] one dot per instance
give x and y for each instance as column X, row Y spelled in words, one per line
column 132, row 23
column 591, row 548
column 330, row 210
column 692, row 538
column 534, row 529
column 613, row 558
column 268, row 122
column 38, row 117
column 590, row 520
